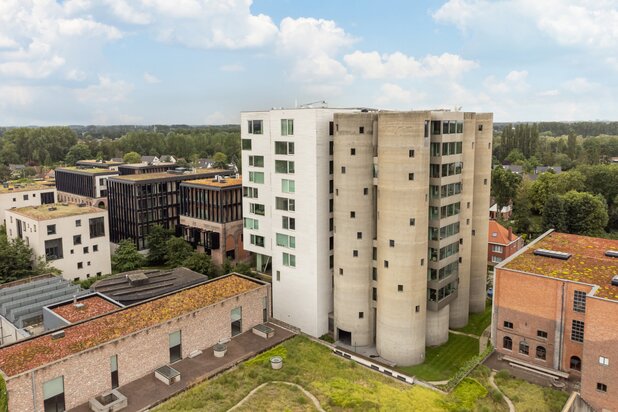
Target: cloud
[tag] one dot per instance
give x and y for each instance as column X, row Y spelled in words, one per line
column 391, row 93
column 372, row 65
column 514, row 81
column 13, row 95
column 579, row 85
column 549, row 93
column 105, row 91
column 217, row 118
column 151, row 78
column 232, row 68
column 75, row 75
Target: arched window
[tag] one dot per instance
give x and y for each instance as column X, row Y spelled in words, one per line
column 524, row 349
column 541, row 352
column 576, row 363
column 507, row 343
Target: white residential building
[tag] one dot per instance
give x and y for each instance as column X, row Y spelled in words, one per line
column 24, row 194
column 73, row 238
column 287, row 209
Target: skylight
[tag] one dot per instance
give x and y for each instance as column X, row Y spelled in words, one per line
column 611, row 253
column 552, row 254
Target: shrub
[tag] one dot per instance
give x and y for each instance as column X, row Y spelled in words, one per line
column 327, row 338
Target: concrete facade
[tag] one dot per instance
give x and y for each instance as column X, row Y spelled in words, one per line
column 411, row 190
column 22, row 195
column 80, row 252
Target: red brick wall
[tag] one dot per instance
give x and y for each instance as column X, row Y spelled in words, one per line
column 87, row 374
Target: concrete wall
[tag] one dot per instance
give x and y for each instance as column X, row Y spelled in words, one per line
column 17, row 198
column 64, row 197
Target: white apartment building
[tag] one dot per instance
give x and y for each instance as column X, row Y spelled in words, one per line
column 24, row 194
column 287, row 209
column 73, row 238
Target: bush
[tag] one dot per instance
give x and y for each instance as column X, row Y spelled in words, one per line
column 503, row 374
column 327, row 338
column 496, row 395
column 4, row 396
column 467, row 368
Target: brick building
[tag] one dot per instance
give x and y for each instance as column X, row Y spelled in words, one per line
column 211, row 217
column 556, row 311
column 67, row 367
column 501, row 243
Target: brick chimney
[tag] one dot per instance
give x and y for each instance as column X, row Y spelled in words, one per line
column 510, row 233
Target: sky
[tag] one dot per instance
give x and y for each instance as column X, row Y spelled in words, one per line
column 204, row 61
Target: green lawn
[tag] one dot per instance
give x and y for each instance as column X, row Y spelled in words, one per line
column 278, row 397
column 478, row 322
column 441, row 362
column 339, row 384
column 528, row 397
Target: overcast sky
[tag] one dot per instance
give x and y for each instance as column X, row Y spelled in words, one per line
column 204, row 61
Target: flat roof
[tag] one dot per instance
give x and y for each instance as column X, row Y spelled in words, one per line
column 88, row 170
column 35, row 352
column 227, row 182
column 55, row 211
column 26, row 187
column 167, row 175
column 587, row 264
column 143, row 165
column 100, row 162
column 92, row 306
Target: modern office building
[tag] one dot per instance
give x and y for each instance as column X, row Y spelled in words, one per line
column 99, row 164
column 141, row 168
column 211, row 217
column 411, row 195
column 15, row 195
column 142, row 200
column 83, row 185
column 555, row 311
column 72, row 238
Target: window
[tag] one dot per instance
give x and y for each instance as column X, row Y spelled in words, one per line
column 53, row 249
column 278, row 276
column 391, row 243
column 175, row 346
column 507, row 343
column 353, row 152
column 284, row 148
column 113, row 363
column 399, row 288
column 256, row 161
column 80, row 265
column 85, row 249
column 288, row 186
column 284, row 166
column 411, row 153
column 412, row 221
column 265, row 309
column 25, row 197
column 256, row 208
column 331, row 146
column 289, row 260
column 434, row 149
column 51, row 229
column 386, row 263
column 374, row 274
column 97, row 227
column 286, row 240
column 282, row 203
column 355, row 253
column 255, row 126
column 575, row 363
column 361, row 315
column 497, row 248
column 541, row 334
column 250, row 192
column 601, row 387
column 257, row 240
column 331, row 128
column 342, row 170
column 524, row 349
column 579, row 301
column 95, row 248
column 288, row 223
column 352, row 214
column 78, row 223
column 77, row 239
column 246, row 144
column 53, row 395
column 374, row 294
column 256, row 177
column 359, row 235
column 480, row 127
column 496, row 259
column 410, row 176
column 603, row 361
column 249, row 223
column 366, row 191
column 341, row 271
column 508, row 325
column 446, row 211
column 541, row 352
column 361, row 129
column 287, row 127
column 236, row 320
column 577, row 331
column 451, row 169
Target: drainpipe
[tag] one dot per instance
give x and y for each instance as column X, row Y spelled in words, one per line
column 33, row 392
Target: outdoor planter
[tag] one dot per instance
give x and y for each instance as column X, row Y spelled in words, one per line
column 219, row 350
column 276, row 362
column 109, row 401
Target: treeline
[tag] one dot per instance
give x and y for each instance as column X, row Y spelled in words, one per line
column 584, row 129
column 49, row 146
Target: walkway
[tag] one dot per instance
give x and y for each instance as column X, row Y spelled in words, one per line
column 315, row 400
column 493, row 385
column 148, row 391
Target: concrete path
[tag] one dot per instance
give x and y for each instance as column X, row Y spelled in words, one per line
column 484, row 339
column 493, row 384
column 456, row 332
column 315, row 400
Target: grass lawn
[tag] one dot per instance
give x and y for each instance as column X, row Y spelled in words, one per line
column 339, row 384
column 441, row 362
column 478, row 321
column 278, row 397
column 528, row 397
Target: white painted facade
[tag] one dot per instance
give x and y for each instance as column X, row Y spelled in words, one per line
column 302, row 295
column 82, row 257
column 21, row 197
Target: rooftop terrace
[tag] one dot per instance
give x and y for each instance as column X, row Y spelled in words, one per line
column 167, row 175
column 55, row 211
column 25, row 187
column 587, row 264
column 33, row 353
column 225, row 182
column 91, row 306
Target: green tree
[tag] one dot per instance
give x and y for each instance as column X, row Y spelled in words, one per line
column 522, row 209
column 157, row 247
column 504, row 184
column 554, row 215
column 572, row 145
column 5, row 172
column 127, row 257
column 586, row 214
column 515, row 156
column 78, row 152
column 227, row 267
column 178, row 250
column 17, row 260
column 132, row 157
column 201, row 263
column 220, row 160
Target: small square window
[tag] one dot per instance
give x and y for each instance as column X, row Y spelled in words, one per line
column 508, row 325
column 366, row 191
column 361, row 130
column 386, row 263
column 541, row 334
column 412, row 221
column 480, row 127
column 601, row 387
column 352, row 214
column 410, row 176
column 85, row 249
column 361, row 315
column 355, row 253
column 80, row 265
column 343, row 170
column 353, row 151
column 341, row 271
column 78, row 223
column 391, row 243
column 399, row 288
column 359, row 235
column 411, row 153
column 278, row 276
column 99, row 273
column 603, row 361
column 418, row 308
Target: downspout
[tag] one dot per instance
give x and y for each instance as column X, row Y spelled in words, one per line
column 33, row 392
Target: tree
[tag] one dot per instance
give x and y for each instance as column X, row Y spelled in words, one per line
column 178, row 250
column 132, row 157
column 220, row 160
column 226, row 267
column 504, row 184
column 17, row 260
column 572, row 145
column 554, row 215
column 515, row 156
column 586, row 214
column 76, row 153
column 201, row 263
column 522, row 209
column 127, row 257
column 157, row 247
column 5, row 172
